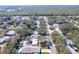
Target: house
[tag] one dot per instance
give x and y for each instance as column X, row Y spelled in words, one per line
column 26, row 17
column 61, row 21
column 4, row 25
column 35, row 33
column 4, row 39
column 68, row 42
column 34, row 41
column 10, row 33
column 55, row 25
column 25, row 43
column 11, row 21
column 38, row 23
column 30, row 50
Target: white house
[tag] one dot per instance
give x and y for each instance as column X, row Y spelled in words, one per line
column 34, row 41
column 11, row 33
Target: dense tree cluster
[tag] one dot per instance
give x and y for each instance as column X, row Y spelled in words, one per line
column 56, row 19
column 59, row 42
column 26, row 27
column 43, row 29
column 65, row 28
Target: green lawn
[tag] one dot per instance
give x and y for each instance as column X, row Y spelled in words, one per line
column 44, row 53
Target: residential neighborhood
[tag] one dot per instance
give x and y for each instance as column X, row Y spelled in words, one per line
column 55, row 33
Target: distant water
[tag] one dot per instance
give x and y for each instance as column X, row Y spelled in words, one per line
column 37, row 6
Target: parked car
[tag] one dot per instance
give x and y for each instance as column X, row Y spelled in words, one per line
column 74, row 47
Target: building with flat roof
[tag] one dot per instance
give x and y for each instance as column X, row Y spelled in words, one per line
column 4, row 39
column 30, row 50
column 10, row 33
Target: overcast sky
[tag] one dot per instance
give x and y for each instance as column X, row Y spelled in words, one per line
column 39, row 2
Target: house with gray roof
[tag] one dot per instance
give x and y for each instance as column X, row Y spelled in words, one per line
column 4, row 39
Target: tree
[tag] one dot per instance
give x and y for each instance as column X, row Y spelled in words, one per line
column 1, row 22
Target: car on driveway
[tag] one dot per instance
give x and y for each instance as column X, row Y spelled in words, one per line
column 74, row 47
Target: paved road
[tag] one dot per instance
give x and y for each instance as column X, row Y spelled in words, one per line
column 72, row 50
column 52, row 48
column 60, row 32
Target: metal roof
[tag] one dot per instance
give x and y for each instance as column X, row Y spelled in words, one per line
column 29, row 49
column 11, row 33
column 5, row 38
column 35, row 33
column 34, row 41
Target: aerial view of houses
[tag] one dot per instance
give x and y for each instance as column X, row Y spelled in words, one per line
column 39, row 29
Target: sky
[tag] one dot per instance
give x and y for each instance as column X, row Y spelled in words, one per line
column 39, row 2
